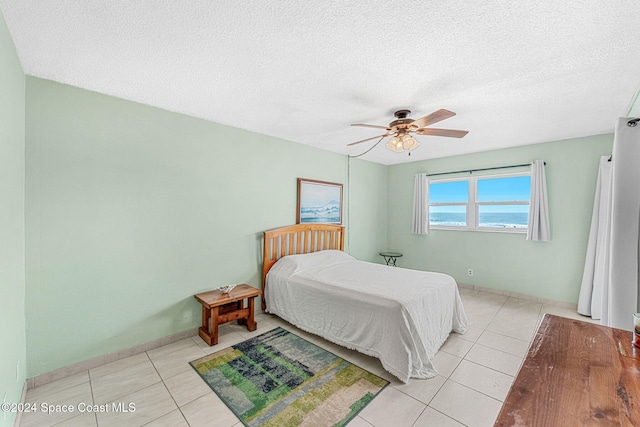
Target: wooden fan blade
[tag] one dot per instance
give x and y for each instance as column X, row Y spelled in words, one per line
column 443, row 132
column 432, row 118
column 370, row 126
column 368, row 139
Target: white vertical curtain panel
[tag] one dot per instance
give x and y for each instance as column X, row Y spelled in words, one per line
column 420, row 220
column 622, row 293
column 538, row 228
column 595, row 277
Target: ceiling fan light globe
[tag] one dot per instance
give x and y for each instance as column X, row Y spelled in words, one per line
column 395, row 144
column 408, row 142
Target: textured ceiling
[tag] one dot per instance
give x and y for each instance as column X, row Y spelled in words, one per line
column 514, row 72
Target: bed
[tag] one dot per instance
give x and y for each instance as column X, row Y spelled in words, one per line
column 397, row 315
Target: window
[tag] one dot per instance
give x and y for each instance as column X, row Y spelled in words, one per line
column 492, row 203
column 448, row 202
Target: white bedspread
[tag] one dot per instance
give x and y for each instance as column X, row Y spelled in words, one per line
column 398, row 315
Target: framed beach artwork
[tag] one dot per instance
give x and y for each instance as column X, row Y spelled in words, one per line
column 319, row 202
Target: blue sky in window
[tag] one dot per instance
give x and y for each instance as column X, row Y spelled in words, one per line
column 515, row 188
column 448, row 192
column 504, row 189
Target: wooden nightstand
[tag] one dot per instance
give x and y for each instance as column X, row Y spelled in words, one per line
column 219, row 308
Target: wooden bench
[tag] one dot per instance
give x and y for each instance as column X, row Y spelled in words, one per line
column 219, row 308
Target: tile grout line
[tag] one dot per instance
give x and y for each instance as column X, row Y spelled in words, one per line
column 449, row 416
column 166, row 388
column 477, row 391
column 467, row 353
column 93, row 398
column 145, row 388
column 174, row 399
column 495, row 349
column 193, row 339
column 488, row 367
column 422, row 412
column 419, row 379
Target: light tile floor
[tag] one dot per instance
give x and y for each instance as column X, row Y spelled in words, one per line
column 475, row 372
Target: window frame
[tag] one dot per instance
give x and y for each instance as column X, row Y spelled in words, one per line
column 473, row 205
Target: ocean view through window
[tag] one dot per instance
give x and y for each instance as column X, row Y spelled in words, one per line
column 448, row 202
column 489, row 203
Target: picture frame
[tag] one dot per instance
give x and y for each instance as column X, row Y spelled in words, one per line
column 319, row 202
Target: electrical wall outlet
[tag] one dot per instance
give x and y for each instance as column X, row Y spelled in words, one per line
column 470, row 272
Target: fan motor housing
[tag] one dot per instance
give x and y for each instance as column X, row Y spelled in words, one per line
column 400, row 122
column 402, row 118
column 402, row 114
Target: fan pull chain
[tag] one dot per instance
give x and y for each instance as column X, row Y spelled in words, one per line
column 374, row 146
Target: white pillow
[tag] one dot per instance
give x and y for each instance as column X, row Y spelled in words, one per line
column 301, row 262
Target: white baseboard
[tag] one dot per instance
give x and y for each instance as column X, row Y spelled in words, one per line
column 85, row 365
column 570, row 305
column 23, row 398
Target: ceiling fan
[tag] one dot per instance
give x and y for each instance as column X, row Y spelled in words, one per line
column 403, row 126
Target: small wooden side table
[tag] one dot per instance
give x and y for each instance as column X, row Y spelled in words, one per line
column 219, row 308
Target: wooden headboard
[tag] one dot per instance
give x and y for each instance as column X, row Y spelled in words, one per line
column 298, row 239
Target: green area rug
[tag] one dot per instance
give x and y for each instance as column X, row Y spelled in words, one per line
column 279, row 379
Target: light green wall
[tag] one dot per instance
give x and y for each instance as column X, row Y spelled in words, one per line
column 368, row 205
column 131, row 210
column 504, row 260
column 12, row 237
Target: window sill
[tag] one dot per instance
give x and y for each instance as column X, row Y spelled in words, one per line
column 486, row 230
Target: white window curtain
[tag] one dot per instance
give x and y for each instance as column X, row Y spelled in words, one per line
column 420, row 220
column 538, row 228
column 595, row 278
column 622, row 292
column 610, row 284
